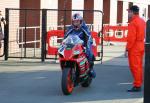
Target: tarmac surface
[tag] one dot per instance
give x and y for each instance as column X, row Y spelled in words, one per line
column 27, row 81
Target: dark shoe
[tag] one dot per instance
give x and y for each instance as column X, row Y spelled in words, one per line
column 91, row 65
column 92, row 74
column 134, row 89
column 93, row 58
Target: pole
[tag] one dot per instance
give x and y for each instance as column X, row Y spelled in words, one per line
column 44, row 31
column 147, row 65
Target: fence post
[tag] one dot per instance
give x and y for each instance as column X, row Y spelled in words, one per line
column 102, row 37
column 6, row 34
column 44, row 34
column 147, row 65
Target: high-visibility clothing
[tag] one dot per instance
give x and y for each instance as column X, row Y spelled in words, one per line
column 135, row 47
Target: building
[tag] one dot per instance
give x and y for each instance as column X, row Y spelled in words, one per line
column 115, row 12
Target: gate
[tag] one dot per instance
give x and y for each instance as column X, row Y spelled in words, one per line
column 23, row 34
column 57, row 22
column 27, row 33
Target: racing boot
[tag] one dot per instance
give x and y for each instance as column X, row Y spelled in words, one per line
column 92, row 72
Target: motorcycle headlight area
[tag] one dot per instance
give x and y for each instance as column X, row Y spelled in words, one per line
column 76, row 54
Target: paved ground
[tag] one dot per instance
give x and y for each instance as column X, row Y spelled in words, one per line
column 34, row 82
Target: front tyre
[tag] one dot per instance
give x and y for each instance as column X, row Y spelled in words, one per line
column 67, row 81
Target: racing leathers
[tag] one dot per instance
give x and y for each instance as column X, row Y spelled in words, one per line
column 85, row 35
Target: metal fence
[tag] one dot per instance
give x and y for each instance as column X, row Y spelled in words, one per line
column 23, row 33
column 93, row 19
column 26, row 30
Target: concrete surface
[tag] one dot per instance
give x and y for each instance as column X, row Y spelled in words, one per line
column 29, row 81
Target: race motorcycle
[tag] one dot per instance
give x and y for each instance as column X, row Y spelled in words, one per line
column 74, row 64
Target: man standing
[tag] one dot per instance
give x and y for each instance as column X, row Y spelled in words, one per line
column 135, row 47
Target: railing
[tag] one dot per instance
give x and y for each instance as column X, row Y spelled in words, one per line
column 90, row 26
column 35, row 41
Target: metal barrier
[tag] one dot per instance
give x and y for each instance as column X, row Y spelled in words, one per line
column 56, row 33
column 20, row 38
column 115, row 37
column 23, row 33
column 115, row 33
column 55, row 37
column 26, row 31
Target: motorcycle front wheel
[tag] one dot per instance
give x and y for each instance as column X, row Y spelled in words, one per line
column 67, row 83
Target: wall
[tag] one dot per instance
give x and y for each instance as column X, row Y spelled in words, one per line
column 88, row 16
column 113, row 12
column 51, row 15
column 13, row 27
column 143, row 10
column 119, row 11
column 8, row 4
column 78, row 4
column 30, row 18
column 64, row 17
column 106, row 10
column 125, row 12
column 98, row 5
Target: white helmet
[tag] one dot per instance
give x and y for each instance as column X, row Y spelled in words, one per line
column 77, row 20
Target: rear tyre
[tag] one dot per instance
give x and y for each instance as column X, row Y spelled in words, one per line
column 67, row 82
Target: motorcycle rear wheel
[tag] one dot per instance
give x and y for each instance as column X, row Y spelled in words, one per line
column 67, row 83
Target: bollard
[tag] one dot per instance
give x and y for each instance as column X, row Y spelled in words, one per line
column 147, row 65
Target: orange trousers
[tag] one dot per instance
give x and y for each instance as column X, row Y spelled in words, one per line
column 136, row 67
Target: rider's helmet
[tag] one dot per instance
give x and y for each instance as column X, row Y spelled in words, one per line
column 77, row 20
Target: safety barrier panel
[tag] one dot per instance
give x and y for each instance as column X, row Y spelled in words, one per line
column 115, row 33
column 55, row 37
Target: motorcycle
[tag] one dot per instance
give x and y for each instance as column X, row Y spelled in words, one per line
column 74, row 64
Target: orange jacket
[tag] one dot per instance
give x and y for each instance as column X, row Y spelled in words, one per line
column 136, row 34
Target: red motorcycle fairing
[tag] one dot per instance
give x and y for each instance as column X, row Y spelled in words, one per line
column 75, row 56
column 74, row 64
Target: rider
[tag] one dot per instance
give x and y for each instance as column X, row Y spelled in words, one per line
column 79, row 28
